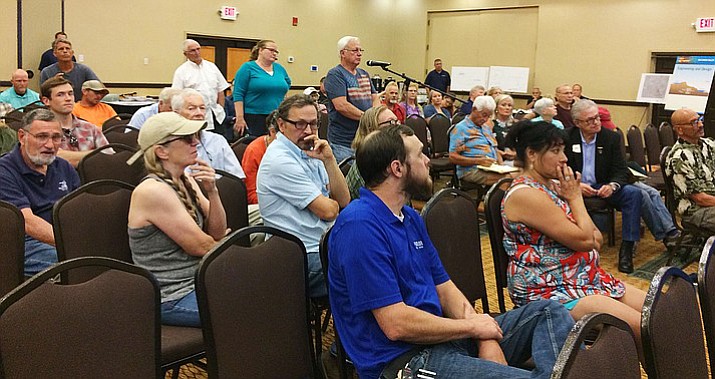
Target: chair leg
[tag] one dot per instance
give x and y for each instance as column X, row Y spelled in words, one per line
column 175, row 372
column 612, row 232
column 674, row 250
column 326, row 320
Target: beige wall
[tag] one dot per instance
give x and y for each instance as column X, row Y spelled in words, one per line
column 603, row 45
column 8, row 34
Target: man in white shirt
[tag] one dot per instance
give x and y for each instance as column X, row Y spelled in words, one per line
column 203, row 76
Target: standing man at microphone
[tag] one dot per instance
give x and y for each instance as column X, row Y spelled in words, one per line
column 351, row 93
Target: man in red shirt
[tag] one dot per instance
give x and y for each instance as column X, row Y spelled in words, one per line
column 392, row 99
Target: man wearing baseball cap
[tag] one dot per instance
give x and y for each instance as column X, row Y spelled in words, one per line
column 91, row 108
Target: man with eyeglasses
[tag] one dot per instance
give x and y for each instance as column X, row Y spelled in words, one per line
column 205, row 77
column 596, row 154
column 564, row 101
column 691, row 162
column 33, row 178
column 81, row 137
column 351, row 93
column 300, row 186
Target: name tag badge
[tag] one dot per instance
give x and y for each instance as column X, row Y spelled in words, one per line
column 600, row 149
column 576, row 149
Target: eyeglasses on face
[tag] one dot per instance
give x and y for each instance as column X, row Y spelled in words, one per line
column 355, row 50
column 389, row 123
column 301, row 125
column 591, row 120
column 274, row 51
column 189, row 139
column 695, row 122
column 42, row 138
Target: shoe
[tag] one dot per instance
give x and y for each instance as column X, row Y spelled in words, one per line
column 625, row 257
column 671, row 239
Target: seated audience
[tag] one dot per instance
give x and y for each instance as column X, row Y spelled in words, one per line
column 552, row 242
column 253, row 155
column 494, row 92
column 535, row 96
column 315, row 95
column 448, row 103
column 212, row 148
column 81, row 137
column 91, row 108
column 392, row 98
column 546, row 109
column 373, row 119
column 472, row 142
column 48, row 57
column 33, row 178
column 394, row 304
column 435, row 106
column 691, row 163
column 475, row 92
column 171, row 223
column 410, row 104
column 75, row 73
column 578, row 93
column 164, row 105
column 564, row 99
column 503, row 119
column 19, row 95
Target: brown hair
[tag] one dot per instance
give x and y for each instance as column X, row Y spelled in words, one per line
column 260, row 45
column 49, row 84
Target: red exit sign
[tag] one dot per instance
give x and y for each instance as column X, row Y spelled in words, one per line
column 705, row 24
column 228, row 13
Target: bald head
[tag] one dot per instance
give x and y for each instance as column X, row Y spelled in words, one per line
column 682, row 116
column 686, row 123
column 19, row 81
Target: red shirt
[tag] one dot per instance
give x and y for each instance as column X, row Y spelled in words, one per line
column 398, row 110
column 251, row 160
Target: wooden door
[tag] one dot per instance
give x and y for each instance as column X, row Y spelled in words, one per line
column 235, row 57
column 208, row 53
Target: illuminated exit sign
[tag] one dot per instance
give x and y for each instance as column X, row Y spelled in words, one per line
column 705, row 24
column 228, row 13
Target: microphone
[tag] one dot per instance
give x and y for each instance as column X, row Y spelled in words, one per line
column 377, row 63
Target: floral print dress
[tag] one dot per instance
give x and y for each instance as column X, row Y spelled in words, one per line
column 540, row 267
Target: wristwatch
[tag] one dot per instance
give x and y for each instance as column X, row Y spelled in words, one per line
column 614, row 186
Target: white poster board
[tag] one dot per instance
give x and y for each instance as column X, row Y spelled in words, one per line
column 509, row 79
column 653, row 88
column 690, row 84
column 464, row 78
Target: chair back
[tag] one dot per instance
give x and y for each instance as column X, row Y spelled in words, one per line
column 439, row 125
column 107, row 327
column 706, row 291
column 13, row 119
column 652, row 146
column 624, row 150
column 458, row 117
column 635, row 145
column 254, row 306
column 612, row 355
column 671, row 329
column 12, row 247
column 122, row 133
column 116, row 120
column 453, row 226
column 239, row 147
column 418, row 124
column 670, row 202
column 234, row 198
column 92, row 221
column 666, row 134
column 346, row 164
column 492, row 210
column 323, row 126
column 99, row 164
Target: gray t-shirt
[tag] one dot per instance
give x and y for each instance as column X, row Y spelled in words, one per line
column 78, row 75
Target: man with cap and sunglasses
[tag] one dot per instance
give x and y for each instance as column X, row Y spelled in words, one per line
column 81, row 137
column 91, row 108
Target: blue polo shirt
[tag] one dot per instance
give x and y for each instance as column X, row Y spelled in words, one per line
column 377, row 260
column 439, row 80
column 18, row 101
column 288, row 181
column 24, row 187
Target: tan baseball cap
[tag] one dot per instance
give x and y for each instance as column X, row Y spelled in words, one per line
column 163, row 125
column 95, row 85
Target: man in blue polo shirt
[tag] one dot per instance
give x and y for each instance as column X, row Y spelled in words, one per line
column 19, row 95
column 300, row 186
column 438, row 78
column 33, row 178
column 395, row 307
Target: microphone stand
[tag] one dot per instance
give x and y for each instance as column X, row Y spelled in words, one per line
column 408, row 80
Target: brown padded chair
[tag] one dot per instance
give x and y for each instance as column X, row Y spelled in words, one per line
column 453, row 226
column 419, row 126
column 439, row 127
column 706, row 292
column 624, row 150
column 671, row 328
column 323, row 126
column 122, row 133
column 666, row 134
column 612, row 355
column 107, row 327
column 102, row 165
column 635, row 145
column 492, row 211
column 234, row 198
column 346, row 164
column 254, row 307
column 12, row 247
column 239, row 147
column 82, row 228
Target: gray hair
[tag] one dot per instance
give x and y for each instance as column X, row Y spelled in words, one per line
column 345, row 41
column 542, row 104
column 41, row 114
column 187, row 42
column 477, row 88
column 167, row 94
column 179, row 99
column 482, row 103
column 581, row 106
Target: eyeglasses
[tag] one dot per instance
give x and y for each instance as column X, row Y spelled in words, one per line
column 694, row 122
column 42, row 138
column 274, row 51
column 71, row 137
column 389, row 123
column 591, row 120
column 189, row 139
column 301, row 125
column 356, row 50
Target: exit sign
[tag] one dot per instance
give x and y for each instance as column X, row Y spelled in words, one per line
column 705, row 24
column 228, row 13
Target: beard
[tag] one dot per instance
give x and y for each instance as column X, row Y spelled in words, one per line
column 40, row 160
column 417, row 188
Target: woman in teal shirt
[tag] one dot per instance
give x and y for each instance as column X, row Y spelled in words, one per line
column 258, row 88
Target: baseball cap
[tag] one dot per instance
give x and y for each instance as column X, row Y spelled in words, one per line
column 309, row 91
column 163, row 125
column 95, row 85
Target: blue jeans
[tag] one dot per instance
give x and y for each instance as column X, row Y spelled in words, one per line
column 316, row 281
column 629, row 201
column 654, row 212
column 38, row 256
column 182, row 312
column 536, row 330
column 341, row 152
